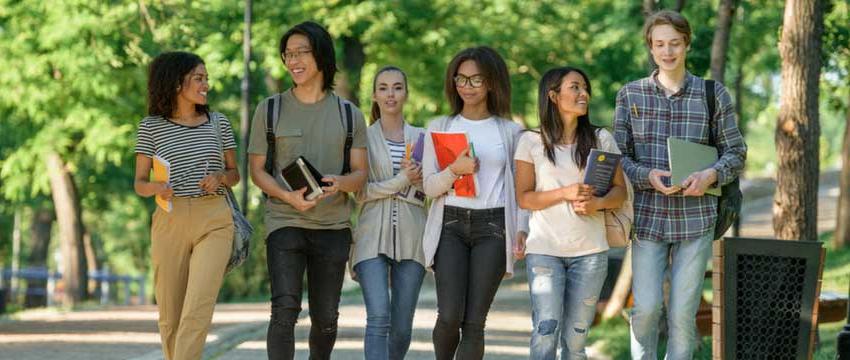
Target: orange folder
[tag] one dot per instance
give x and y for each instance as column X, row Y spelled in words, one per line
column 162, row 173
column 447, row 146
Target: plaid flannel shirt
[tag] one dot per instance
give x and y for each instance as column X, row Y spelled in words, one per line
column 644, row 118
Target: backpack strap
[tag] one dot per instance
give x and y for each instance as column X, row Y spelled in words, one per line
column 270, row 138
column 348, row 125
column 711, row 102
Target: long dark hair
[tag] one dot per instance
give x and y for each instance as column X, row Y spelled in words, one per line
column 551, row 126
column 376, row 110
column 165, row 74
column 496, row 78
column 321, row 47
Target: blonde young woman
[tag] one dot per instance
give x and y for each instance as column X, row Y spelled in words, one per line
column 191, row 244
column 388, row 260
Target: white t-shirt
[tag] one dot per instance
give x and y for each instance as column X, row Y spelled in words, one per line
column 490, row 151
column 558, row 230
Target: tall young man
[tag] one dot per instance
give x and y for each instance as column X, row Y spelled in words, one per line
column 312, row 235
column 672, row 221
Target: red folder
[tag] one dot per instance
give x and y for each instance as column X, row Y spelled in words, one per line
column 447, row 146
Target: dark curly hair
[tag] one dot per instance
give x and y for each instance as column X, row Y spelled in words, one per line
column 166, row 72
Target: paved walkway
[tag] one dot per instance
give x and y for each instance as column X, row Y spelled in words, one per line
column 238, row 330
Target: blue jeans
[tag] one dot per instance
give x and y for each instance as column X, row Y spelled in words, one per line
column 564, row 292
column 389, row 317
column 649, row 262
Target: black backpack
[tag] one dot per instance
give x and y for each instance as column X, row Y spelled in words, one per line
column 729, row 202
column 348, row 125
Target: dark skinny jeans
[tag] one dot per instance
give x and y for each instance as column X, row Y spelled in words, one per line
column 468, row 267
column 323, row 254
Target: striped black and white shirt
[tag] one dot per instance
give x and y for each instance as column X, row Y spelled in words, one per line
column 396, row 154
column 193, row 152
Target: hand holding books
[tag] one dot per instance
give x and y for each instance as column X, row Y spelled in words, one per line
column 298, row 200
column 465, row 164
column 331, row 187
column 412, row 170
column 599, row 175
column 455, row 151
column 581, row 197
column 656, row 179
column 305, row 188
column 699, row 183
column 577, row 192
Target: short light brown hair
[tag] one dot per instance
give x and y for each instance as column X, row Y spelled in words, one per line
column 667, row 17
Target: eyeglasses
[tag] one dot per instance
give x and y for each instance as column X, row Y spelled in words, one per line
column 475, row 81
column 297, row 54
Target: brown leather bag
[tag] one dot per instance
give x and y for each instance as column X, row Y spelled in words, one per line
column 618, row 222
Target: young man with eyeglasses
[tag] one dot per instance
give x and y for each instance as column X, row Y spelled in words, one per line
column 308, row 120
column 674, row 221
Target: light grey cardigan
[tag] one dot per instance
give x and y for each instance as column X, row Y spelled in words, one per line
column 373, row 234
column 437, row 183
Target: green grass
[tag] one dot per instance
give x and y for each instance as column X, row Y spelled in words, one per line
column 612, row 337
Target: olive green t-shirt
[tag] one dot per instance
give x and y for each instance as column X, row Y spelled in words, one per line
column 317, row 132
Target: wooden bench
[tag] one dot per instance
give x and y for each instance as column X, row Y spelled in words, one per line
column 832, row 307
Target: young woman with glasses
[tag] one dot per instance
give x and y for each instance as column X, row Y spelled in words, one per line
column 469, row 240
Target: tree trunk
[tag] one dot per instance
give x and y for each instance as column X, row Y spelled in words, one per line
column 353, row 59
column 648, row 8
column 274, row 85
column 244, row 113
column 742, row 126
column 720, row 44
column 16, row 256
column 798, row 129
column 621, row 288
column 842, row 227
column 42, row 221
column 92, row 262
column 680, row 4
column 70, row 230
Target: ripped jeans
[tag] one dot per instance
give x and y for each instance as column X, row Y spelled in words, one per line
column 564, row 292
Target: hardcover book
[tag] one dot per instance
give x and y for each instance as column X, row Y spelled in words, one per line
column 600, row 170
column 299, row 174
column 688, row 157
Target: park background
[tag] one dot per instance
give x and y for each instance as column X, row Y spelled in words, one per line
column 73, row 87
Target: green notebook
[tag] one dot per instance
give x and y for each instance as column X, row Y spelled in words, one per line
column 687, row 157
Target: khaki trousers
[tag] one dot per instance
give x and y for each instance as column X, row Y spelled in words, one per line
column 190, row 247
